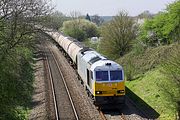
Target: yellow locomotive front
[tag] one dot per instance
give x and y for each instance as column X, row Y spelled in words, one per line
column 108, row 86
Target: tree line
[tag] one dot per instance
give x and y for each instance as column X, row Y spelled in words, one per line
column 17, row 38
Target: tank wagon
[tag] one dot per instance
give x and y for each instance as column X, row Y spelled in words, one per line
column 103, row 79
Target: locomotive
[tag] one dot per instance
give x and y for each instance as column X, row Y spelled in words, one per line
column 103, row 78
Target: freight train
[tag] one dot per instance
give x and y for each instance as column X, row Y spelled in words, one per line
column 103, row 79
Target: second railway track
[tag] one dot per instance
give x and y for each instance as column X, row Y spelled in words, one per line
column 63, row 103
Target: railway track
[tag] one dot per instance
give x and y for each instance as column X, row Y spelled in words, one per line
column 53, row 64
column 63, row 104
column 121, row 114
column 52, row 88
column 108, row 116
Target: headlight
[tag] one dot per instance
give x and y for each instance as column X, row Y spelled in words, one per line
column 98, row 92
column 120, row 91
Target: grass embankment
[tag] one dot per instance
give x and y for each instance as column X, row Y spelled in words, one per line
column 157, row 91
column 150, row 80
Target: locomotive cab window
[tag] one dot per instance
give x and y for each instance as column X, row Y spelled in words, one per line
column 102, row 76
column 116, row 75
column 91, row 75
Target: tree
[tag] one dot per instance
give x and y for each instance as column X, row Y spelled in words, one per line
column 117, row 36
column 146, row 14
column 17, row 33
column 164, row 28
column 80, row 29
column 88, row 17
column 74, row 15
column 55, row 20
column 18, row 18
column 97, row 19
column 172, row 29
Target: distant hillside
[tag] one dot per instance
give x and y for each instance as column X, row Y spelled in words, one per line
column 106, row 18
column 109, row 18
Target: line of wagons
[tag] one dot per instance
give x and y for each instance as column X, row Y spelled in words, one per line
column 103, row 79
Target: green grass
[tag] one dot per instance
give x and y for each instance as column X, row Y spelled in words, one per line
column 22, row 113
column 151, row 81
column 158, row 91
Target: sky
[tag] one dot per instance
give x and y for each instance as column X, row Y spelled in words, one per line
column 110, row 7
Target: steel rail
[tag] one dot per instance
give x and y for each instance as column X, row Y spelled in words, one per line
column 52, row 87
column 67, row 90
column 123, row 116
column 101, row 114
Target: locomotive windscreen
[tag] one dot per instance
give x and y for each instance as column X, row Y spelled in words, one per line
column 116, row 75
column 102, row 76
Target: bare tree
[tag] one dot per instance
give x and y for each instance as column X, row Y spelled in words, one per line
column 97, row 19
column 18, row 18
column 55, row 20
column 75, row 15
column 23, row 8
column 118, row 35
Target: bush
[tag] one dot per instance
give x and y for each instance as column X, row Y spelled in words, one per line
column 139, row 47
column 129, row 70
column 172, row 71
column 80, row 29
